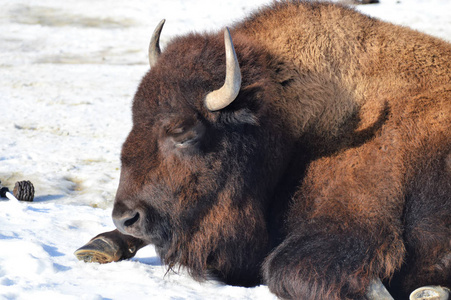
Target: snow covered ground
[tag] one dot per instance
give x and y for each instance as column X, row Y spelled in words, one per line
column 68, row 72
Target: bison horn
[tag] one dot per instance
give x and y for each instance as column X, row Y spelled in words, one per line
column 222, row 97
column 154, row 46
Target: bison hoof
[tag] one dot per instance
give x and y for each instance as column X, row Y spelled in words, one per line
column 99, row 250
column 430, row 293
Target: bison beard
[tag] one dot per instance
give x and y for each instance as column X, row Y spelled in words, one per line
column 313, row 154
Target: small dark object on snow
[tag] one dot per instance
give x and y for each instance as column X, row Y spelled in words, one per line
column 23, row 190
column 3, row 191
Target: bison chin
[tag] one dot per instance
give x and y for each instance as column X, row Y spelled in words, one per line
column 229, row 242
column 234, row 259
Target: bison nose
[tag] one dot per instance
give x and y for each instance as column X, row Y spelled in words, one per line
column 128, row 223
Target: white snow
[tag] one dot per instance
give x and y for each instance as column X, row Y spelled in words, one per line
column 68, row 72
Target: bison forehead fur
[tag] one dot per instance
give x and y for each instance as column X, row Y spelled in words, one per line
column 329, row 169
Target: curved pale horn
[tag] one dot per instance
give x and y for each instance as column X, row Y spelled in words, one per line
column 222, row 97
column 154, row 45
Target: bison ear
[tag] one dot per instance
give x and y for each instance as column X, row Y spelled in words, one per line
column 154, row 45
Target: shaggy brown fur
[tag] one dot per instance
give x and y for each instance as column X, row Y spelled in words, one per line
column 331, row 168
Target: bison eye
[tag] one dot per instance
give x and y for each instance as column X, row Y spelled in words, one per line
column 187, row 136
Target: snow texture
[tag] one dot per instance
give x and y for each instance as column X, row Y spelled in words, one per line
column 68, row 72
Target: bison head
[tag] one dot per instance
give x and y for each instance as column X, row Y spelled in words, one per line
column 202, row 159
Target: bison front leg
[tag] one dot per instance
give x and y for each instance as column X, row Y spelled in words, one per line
column 316, row 262
column 108, row 247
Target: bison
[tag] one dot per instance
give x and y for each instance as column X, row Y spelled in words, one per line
column 311, row 154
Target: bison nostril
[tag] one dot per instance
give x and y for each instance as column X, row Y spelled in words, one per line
column 127, row 222
column 132, row 221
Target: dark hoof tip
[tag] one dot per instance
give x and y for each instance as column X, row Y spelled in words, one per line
column 100, row 251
